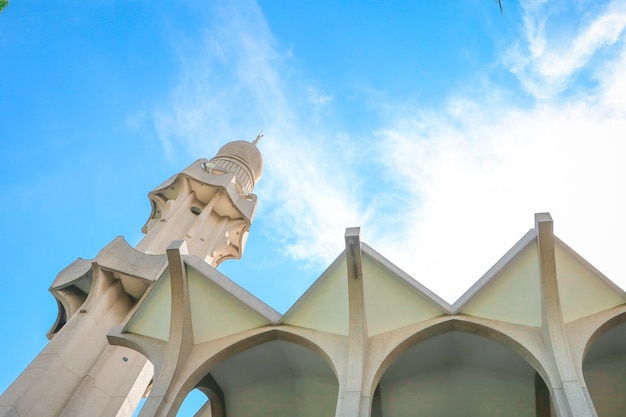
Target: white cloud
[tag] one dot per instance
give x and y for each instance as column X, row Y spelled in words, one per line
column 480, row 169
column 480, row 182
column 236, row 84
column 448, row 191
column 550, row 62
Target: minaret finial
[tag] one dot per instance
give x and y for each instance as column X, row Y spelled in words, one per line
column 258, row 138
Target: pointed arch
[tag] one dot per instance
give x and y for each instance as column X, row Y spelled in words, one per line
column 464, row 325
column 278, row 371
column 604, row 366
column 449, row 353
column 614, row 321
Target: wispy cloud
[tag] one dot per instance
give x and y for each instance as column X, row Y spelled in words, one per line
column 236, row 85
column 476, row 183
column 480, row 168
column 449, row 189
column 227, row 84
column 546, row 62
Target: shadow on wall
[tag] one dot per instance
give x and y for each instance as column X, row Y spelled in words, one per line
column 274, row 379
column 458, row 374
column 604, row 369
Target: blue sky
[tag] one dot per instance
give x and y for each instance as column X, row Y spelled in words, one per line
column 440, row 128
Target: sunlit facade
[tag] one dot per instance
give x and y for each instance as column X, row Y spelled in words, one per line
column 542, row 333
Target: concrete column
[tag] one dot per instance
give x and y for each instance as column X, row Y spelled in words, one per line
column 568, row 393
column 160, row 401
column 351, row 402
column 70, row 369
column 113, row 387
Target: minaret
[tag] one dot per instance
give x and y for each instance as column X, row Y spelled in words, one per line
column 210, row 206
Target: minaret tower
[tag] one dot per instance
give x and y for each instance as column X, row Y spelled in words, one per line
column 210, row 206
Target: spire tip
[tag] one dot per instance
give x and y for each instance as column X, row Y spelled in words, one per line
column 258, row 138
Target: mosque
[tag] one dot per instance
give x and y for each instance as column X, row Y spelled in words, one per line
column 541, row 334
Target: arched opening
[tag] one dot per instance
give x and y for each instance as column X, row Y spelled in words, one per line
column 460, row 374
column 604, row 369
column 196, row 404
column 274, row 379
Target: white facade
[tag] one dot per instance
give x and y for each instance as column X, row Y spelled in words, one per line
column 540, row 334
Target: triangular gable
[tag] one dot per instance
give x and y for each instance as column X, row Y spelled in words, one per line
column 392, row 298
column 219, row 307
column 152, row 317
column 221, row 310
column 324, row 306
column 511, row 290
column 583, row 290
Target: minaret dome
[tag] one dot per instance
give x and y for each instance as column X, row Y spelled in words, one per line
column 243, row 159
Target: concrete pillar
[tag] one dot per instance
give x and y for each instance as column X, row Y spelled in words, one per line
column 351, row 403
column 114, row 385
column 180, row 341
column 569, row 395
column 78, row 365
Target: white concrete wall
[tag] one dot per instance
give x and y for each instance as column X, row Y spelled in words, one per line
column 284, row 396
column 459, row 391
column 606, row 381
